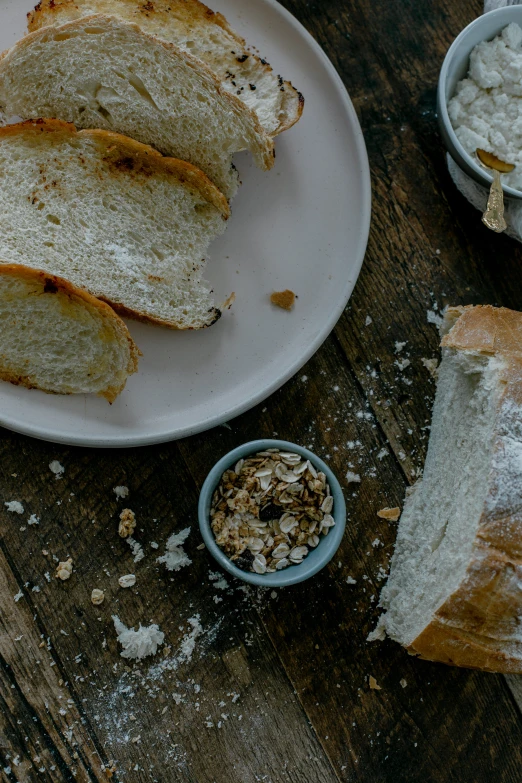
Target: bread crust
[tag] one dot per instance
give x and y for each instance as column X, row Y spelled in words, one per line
column 264, row 154
column 479, row 625
column 54, row 284
column 126, row 154
column 192, row 13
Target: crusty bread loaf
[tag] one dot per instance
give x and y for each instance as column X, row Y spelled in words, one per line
column 60, row 339
column 196, row 29
column 112, row 216
column 454, row 593
column 103, row 72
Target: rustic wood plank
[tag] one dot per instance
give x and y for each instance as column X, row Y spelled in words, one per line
column 228, row 713
column 298, row 661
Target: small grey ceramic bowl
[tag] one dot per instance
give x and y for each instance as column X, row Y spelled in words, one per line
column 315, row 560
column 455, row 68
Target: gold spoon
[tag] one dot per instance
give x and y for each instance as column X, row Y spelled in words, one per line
column 493, row 217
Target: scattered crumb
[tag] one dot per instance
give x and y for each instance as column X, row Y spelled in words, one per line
column 403, row 683
column 57, row 468
column 154, row 545
column 400, row 346
column 432, row 366
column 14, row 506
column 136, row 549
column 127, row 523
column 433, row 318
column 376, row 542
column 121, row 492
column 18, row 596
column 392, row 514
column 373, row 684
column 138, row 644
column 175, row 557
column 97, row 596
column 382, row 454
column 128, row 580
column 33, row 520
column 350, row 580
column 353, row 478
column 64, row 570
column 229, row 301
column 378, row 634
column 284, row 299
column 201, row 546
column 402, row 364
column 368, row 321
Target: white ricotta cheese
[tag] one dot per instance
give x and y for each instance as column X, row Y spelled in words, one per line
column 486, row 110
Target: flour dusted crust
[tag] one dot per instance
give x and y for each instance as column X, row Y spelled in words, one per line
column 55, row 285
column 170, row 19
column 480, row 625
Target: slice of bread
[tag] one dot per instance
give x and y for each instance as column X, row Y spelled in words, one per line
column 60, row 339
column 195, row 29
column 454, row 591
column 112, row 216
column 103, row 72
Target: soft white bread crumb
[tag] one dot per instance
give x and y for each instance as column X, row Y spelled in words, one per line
column 175, row 556
column 102, row 72
column 138, row 644
column 200, row 32
column 58, row 338
column 112, row 216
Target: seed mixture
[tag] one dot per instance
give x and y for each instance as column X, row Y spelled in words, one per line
column 270, row 511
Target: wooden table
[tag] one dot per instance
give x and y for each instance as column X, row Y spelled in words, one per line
column 277, row 688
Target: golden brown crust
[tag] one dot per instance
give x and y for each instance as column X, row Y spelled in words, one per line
column 125, row 154
column 265, row 145
column 150, row 15
column 284, row 299
column 479, row 625
column 214, row 315
column 47, row 11
column 53, row 284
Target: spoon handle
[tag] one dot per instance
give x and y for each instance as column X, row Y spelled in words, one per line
column 493, row 217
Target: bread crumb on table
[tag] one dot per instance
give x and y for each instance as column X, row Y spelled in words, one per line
column 127, row 523
column 373, row 684
column 120, row 491
column 97, row 596
column 284, row 299
column 138, row 644
column 64, row 570
column 14, row 506
column 57, row 468
column 392, row 514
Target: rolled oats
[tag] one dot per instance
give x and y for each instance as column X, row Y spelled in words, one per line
column 270, row 510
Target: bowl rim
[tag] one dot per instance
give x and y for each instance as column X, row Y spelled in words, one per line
column 484, row 175
column 295, row 573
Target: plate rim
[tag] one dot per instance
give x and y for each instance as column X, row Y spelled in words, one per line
column 134, row 441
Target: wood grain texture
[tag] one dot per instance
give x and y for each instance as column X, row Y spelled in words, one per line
column 277, row 688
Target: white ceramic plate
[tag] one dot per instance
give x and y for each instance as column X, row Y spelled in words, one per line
column 304, row 226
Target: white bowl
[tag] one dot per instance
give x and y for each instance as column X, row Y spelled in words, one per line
column 454, row 68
